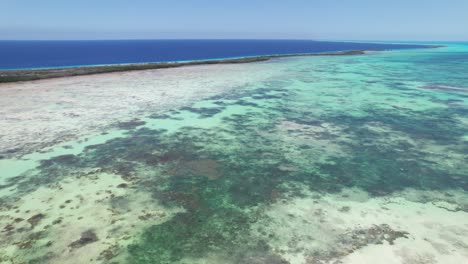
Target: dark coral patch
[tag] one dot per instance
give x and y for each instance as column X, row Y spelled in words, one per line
column 35, row 219
column 131, row 124
column 207, row 168
column 86, row 238
column 204, row 112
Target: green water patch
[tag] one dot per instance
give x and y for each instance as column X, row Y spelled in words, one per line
column 219, row 173
column 225, row 232
column 225, row 159
column 251, row 176
column 381, row 165
column 214, row 187
column 381, row 172
column 437, row 124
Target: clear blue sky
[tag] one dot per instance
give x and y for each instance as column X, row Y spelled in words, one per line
column 277, row 19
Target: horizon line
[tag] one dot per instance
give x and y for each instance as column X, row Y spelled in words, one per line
column 266, row 39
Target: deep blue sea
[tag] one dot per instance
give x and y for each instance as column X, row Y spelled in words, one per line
column 46, row 54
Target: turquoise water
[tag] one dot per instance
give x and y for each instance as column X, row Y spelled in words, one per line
column 234, row 178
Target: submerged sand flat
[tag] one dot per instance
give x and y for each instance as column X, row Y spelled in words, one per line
column 319, row 160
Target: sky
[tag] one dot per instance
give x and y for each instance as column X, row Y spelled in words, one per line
column 435, row 20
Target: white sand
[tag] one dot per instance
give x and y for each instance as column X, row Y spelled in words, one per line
column 437, row 232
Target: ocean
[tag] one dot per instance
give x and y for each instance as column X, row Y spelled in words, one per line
column 50, row 54
column 296, row 160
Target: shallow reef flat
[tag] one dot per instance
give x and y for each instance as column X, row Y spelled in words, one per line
column 301, row 160
column 42, row 113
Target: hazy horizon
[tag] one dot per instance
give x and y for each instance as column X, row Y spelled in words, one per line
column 266, row 39
column 362, row 20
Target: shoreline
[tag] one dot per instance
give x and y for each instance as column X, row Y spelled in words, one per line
column 10, row 76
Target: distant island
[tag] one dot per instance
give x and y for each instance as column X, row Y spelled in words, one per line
column 38, row 74
column 7, row 76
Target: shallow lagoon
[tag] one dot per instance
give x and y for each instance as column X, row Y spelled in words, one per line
column 341, row 159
